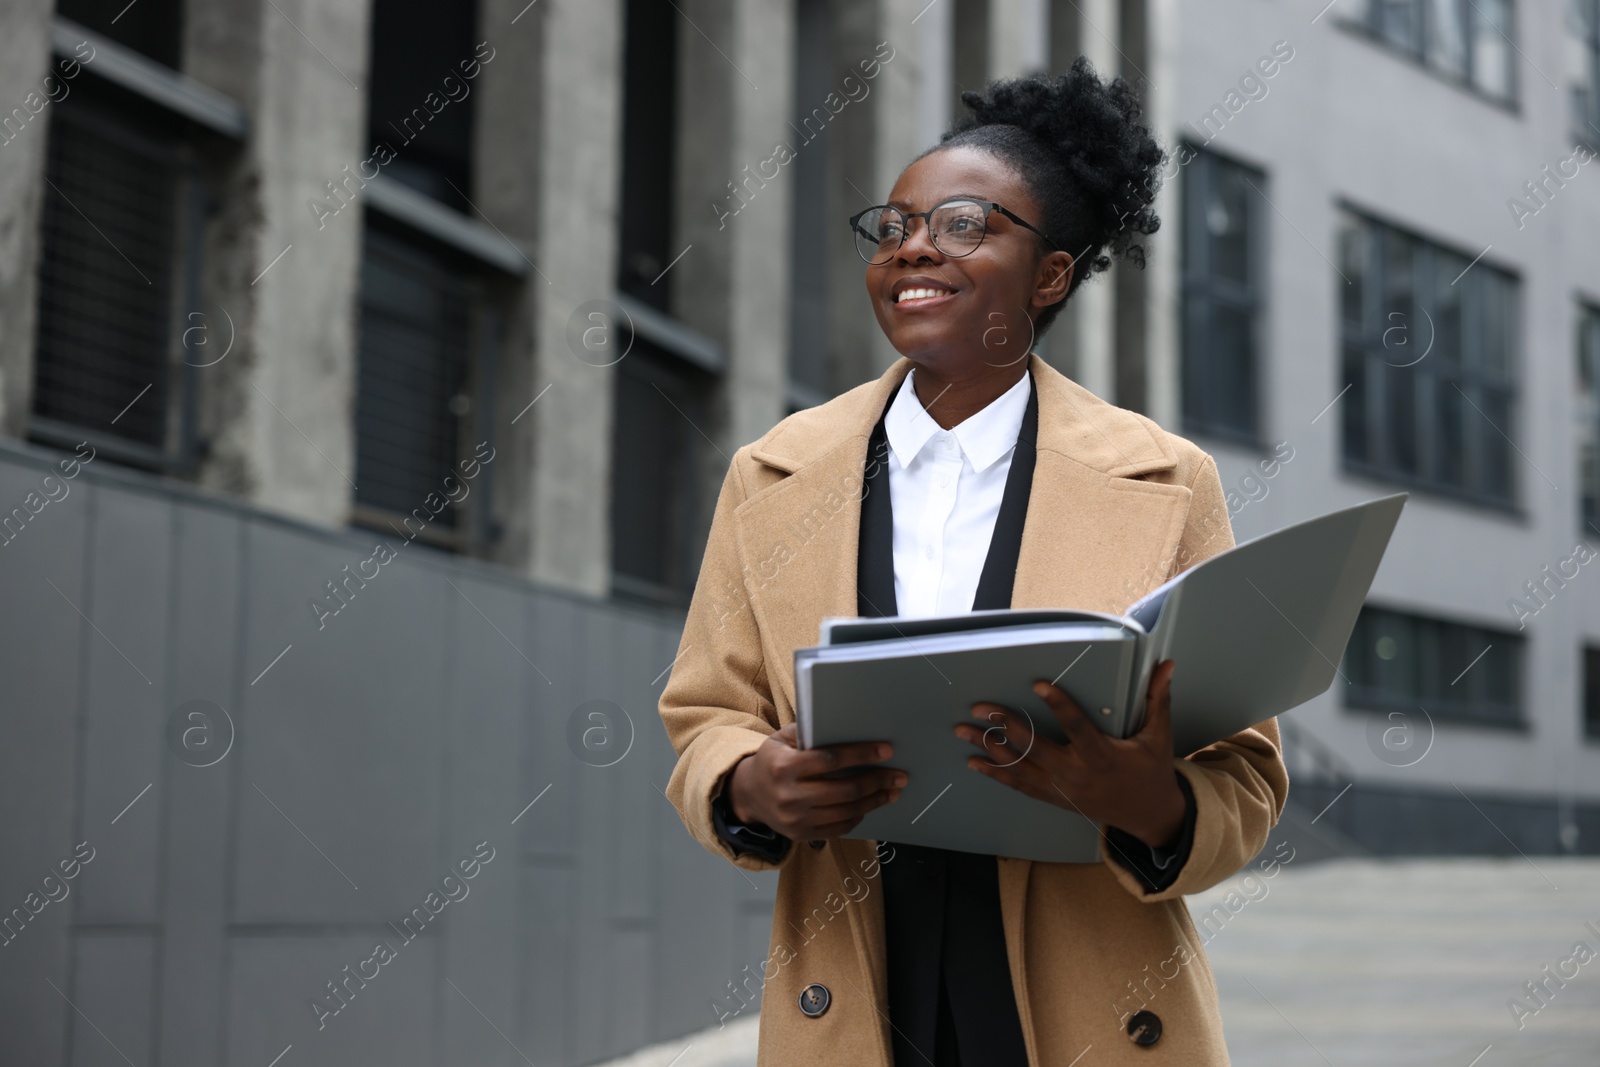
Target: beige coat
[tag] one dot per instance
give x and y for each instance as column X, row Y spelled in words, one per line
column 1118, row 505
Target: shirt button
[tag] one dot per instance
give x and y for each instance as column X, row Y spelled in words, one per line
column 928, row 551
column 944, row 480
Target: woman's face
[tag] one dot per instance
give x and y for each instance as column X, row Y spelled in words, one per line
column 990, row 296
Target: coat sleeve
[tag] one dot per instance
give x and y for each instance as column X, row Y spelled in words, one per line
column 717, row 705
column 1240, row 783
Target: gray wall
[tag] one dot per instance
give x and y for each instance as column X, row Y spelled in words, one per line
column 367, row 761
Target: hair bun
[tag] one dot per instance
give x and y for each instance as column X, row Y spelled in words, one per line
column 1106, row 165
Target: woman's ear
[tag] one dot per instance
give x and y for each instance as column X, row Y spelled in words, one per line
column 1055, row 276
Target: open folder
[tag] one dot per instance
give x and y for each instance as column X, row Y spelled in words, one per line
column 1253, row 631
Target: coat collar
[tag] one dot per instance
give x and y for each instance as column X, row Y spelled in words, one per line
column 1072, row 421
column 1094, row 537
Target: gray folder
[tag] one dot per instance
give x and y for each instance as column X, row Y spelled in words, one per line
column 1253, row 631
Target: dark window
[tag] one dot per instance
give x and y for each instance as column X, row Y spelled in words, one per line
column 1591, row 693
column 661, row 414
column 419, row 102
column 1583, row 67
column 811, row 225
column 415, row 386
column 657, row 442
column 1588, row 405
column 153, row 28
column 1222, row 273
column 1466, row 41
column 117, row 265
column 649, row 137
column 1454, row 672
column 428, row 331
column 1430, row 358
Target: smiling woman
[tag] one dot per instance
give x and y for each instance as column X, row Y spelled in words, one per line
column 988, row 480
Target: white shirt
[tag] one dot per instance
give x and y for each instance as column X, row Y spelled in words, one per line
column 945, row 488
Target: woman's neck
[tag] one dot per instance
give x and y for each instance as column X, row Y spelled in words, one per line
column 951, row 399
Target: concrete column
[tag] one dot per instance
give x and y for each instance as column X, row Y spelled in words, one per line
column 549, row 150
column 25, row 60
column 1093, row 318
column 1161, row 40
column 1019, row 37
column 280, row 408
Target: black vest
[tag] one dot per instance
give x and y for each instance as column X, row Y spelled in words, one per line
column 950, row 996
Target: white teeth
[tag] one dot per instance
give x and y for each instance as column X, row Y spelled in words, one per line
column 918, row 294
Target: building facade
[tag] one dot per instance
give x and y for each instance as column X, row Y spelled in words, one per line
column 363, row 271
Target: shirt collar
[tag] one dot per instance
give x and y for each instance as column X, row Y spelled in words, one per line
column 984, row 436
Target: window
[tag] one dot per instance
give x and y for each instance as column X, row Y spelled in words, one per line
column 649, row 137
column 1588, row 410
column 120, row 255
column 109, row 270
column 1583, row 67
column 1456, row 673
column 1430, row 359
column 422, row 318
column 1222, row 276
column 811, row 222
column 427, row 120
column 1466, row 41
column 662, row 422
column 428, row 332
column 655, row 502
column 1591, row 693
column 153, row 28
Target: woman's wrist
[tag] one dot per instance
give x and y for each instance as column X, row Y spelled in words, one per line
column 1165, row 826
column 736, row 791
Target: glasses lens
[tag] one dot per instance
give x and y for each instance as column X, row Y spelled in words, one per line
column 958, row 227
column 878, row 233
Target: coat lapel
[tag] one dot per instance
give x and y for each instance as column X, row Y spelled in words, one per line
column 1094, row 538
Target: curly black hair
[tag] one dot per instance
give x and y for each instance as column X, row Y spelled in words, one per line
column 1076, row 142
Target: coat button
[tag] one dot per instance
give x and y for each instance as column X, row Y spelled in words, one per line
column 1144, row 1027
column 814, row 999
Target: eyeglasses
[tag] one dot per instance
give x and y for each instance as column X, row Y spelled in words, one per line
column 956, row 227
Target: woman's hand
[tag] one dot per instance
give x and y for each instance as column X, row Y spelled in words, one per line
column 780, row 785
column 1128, row 782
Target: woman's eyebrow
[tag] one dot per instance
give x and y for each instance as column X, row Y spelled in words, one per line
column 904, row 205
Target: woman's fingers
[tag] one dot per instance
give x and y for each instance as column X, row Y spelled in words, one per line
column 835, row 819
column 809, row 763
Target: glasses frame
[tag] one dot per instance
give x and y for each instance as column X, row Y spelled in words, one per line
column 989, row 206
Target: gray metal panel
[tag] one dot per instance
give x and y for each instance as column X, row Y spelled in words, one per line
column 552, row 691
column 275, row 979
column 627, row 667
column 40, row 639
column 200, row 786
column 339, row 799
column 482, row 744
column 548, row 944
column 397, row 733
column 127, row 611
column 114, row 991
column 599, row 796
